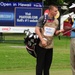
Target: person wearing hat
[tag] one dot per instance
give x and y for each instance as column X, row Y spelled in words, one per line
column 72, row 50
column 71, row 29
column 72, row 42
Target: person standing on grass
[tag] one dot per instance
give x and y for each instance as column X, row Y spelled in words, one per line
column 72, row 50
column 45, row 33
column 72, row 47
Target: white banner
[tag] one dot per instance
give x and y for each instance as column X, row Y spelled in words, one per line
column 16, row 29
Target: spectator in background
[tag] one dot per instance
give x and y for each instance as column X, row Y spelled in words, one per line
column 72, row 49
column 67, row 25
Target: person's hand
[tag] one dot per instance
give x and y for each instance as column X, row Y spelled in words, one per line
column 44, row 42
column 59, row 31
column 62, row 30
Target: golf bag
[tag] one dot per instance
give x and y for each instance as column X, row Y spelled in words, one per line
column 31, row 40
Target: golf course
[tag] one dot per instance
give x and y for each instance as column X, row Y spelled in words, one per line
column 15, row 60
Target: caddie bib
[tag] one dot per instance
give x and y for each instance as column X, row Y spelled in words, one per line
column 48, row 31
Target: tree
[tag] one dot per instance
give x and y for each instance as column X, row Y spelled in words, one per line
column 55, row 2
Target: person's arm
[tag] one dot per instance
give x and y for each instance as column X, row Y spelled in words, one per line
column 57, row 32
column 37, row 31
column 38, row 27
column 43, row 40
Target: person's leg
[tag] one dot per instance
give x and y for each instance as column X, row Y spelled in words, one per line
column 48, row 61
column 72, row 55
column 40, row 60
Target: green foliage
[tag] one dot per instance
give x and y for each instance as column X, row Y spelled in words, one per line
column 60, row 2
column 55, row 2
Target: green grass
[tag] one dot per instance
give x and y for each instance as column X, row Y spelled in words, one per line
column 61, row 53
column 32, row 72
column 14, row 57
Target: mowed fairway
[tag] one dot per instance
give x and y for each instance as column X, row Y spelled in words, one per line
column 15, row 60
column 53, row 72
